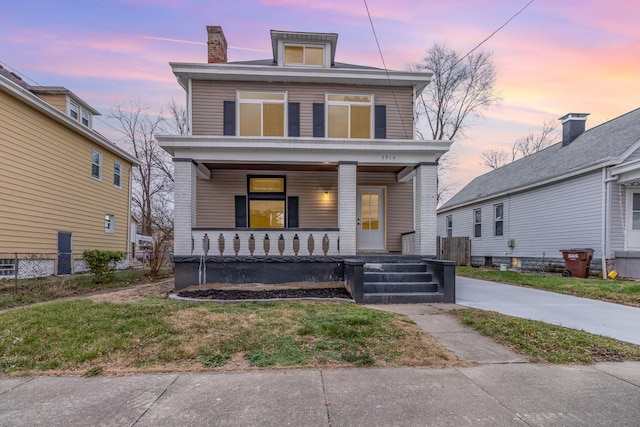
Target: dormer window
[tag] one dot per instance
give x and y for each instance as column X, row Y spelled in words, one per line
column 74, row 111
column 304, row 55
column 85, row 118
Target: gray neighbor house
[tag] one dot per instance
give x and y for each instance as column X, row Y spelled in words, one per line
column 582, row 192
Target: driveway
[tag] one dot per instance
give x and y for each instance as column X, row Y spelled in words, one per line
column 601, row 318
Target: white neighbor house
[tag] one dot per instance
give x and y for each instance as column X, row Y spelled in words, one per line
column 583, row 192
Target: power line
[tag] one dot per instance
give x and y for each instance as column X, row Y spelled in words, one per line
column 18, row 73
column 385, row 69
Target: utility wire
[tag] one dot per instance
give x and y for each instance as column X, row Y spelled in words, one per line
column 18, row 73
column 386, row 70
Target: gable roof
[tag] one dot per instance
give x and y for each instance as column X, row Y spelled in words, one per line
column 606, row 144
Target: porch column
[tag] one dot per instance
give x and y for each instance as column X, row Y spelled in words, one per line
column 425, row 208
column 347, row 207
column 184, row 200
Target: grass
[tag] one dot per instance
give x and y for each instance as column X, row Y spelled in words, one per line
column 158, row 335
column 617, row 291
column 30, row 291
column 542, row 342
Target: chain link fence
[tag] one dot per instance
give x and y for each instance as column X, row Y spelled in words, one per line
column 17, row 265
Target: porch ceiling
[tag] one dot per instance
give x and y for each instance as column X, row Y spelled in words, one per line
column 325, row 167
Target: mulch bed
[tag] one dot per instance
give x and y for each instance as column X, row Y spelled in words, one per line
column 234, row 294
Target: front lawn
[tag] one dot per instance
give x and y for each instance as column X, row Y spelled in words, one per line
column 617, row 291
column 542, row 342
column 157, row 335
column 30, row 291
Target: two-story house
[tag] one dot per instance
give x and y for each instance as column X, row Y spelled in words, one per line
column 296, row 163
column 66, row 188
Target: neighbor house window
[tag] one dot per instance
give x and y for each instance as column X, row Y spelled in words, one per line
column 450, row 226
column 266, row 201
column 498, row 214
column 109, row 223
column 117, row 175
column 74, row 111
column 349, row 116
column 635, row 220
column 96, row 164
column 85, row 118
column 304, row 55
column 261, row 113
column 7, row 267
column 477, row 223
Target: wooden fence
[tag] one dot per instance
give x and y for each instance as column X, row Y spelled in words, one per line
column 456, row 249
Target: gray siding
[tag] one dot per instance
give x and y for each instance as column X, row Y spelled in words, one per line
column 215, row 205
column 542, row 221
column 209, row 97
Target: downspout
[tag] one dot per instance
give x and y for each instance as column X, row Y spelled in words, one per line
column 189, row 109
column 607, row 179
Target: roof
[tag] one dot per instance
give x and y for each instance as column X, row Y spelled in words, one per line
column 22, row 91
column 606, row 144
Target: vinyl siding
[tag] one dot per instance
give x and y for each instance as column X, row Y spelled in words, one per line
column 215, row 207
column 45, row 172
column 545, row 220
column 59, row 101
column 209, row 97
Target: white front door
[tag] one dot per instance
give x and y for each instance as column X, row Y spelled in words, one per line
column 370, row 211
column 633, row 218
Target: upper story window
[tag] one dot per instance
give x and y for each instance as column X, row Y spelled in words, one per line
column 96, row 164
column 85, row 118
column 304, row 55
column 74, row 111
column 349, row 116
column 117, row 175
column 79, row 114
column 498, row 218
column 477, row 223
column 261, row 113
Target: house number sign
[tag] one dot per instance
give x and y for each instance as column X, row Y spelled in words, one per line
column 388, row 156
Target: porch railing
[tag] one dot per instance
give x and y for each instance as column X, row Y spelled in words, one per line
column 266, row 242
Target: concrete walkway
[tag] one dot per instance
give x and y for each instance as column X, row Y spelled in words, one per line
column 601, row 318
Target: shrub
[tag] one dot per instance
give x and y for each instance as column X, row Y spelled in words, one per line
column 102, row 264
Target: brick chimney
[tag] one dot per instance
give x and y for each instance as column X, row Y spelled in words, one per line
column 573, row 125
column 216, row 44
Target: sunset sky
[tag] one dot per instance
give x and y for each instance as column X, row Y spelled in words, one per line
column 554, row 58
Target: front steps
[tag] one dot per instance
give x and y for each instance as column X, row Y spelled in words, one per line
column 403, row 281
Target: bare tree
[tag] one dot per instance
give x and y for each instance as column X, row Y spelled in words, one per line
column 178, row 122
column 153, row 177
column 461, row 87
column 532, row 143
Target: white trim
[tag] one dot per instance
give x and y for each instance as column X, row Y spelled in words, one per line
column 99, row 153
column 349, row 104
column 114, row 173
column 270, row 73
column 262, row 102
column 190, row 106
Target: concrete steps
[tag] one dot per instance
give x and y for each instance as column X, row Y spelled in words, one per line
column 399, row 283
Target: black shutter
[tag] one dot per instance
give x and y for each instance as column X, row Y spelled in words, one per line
column 294, row 119
column 229, row 118
column 318, row 120
column 292, row 212
column 381, row 122
column 241, row 212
